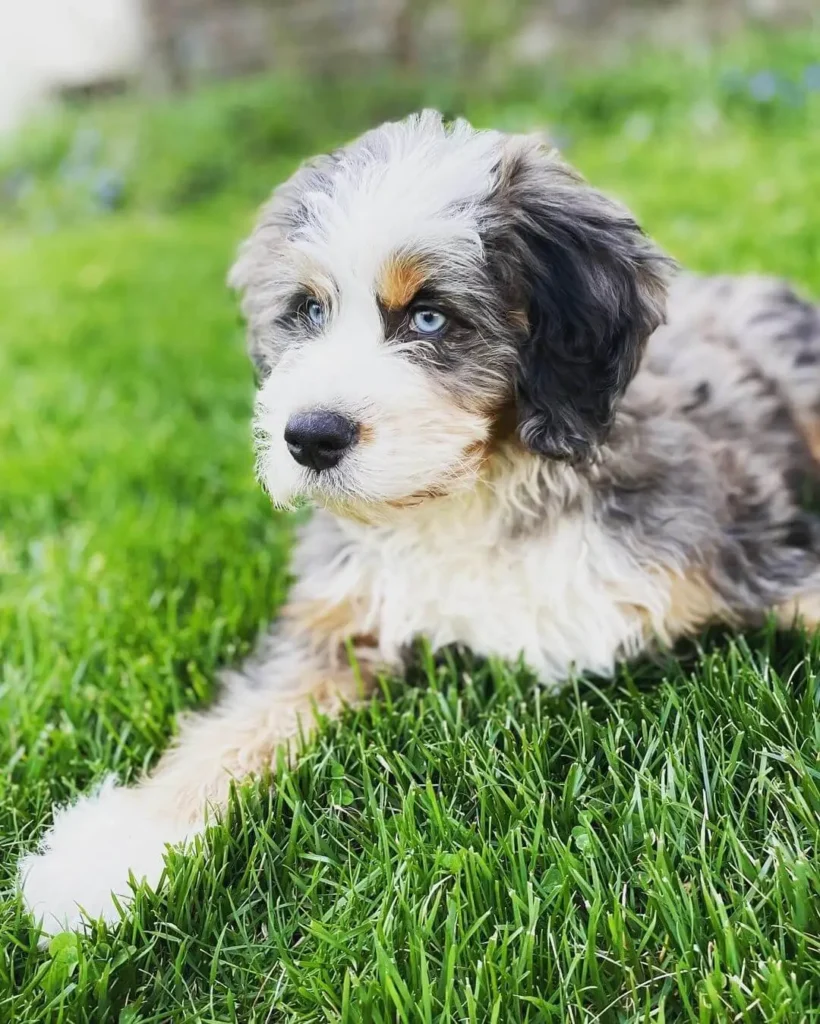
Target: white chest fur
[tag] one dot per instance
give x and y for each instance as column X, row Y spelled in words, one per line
column 566, row 597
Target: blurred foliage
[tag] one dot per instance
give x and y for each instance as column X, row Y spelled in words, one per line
column 238, row 138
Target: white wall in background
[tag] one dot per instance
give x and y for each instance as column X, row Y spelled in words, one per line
column 47, row 45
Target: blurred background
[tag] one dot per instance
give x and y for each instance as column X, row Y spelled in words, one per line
column 71, row 48
column 161, row 104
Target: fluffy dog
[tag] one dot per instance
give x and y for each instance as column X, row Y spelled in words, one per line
column 464, row 362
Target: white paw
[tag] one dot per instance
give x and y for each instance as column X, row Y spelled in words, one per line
column 89, row 853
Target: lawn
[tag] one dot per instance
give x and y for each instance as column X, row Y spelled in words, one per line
column 467, row 847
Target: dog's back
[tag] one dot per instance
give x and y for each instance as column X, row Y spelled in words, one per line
column 744, row 354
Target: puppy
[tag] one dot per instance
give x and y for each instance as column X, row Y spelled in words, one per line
column 463, row 363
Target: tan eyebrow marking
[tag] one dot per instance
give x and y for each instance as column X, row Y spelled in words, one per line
column 399, row 280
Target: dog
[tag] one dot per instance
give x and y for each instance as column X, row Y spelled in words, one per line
column 524, row 432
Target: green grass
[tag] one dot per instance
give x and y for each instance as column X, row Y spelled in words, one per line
column 465, row 848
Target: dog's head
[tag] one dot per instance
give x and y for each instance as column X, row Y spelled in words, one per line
column 411, row 292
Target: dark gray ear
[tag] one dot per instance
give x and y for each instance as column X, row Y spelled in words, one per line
column 594, row 288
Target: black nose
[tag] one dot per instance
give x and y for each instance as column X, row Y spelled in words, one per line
column 319, row 439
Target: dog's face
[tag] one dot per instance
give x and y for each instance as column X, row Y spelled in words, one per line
column 411, row 293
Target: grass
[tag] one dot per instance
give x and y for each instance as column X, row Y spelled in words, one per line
column 467, row 847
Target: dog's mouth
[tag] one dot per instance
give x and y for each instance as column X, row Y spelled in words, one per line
column 461, row 476
column 340, row 492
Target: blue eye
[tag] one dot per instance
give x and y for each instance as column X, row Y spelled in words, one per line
column 316, row 312
column 428, row 321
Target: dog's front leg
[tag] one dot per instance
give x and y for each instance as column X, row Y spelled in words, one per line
column 95, row 844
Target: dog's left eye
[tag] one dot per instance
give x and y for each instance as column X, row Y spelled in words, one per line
column 428, row 321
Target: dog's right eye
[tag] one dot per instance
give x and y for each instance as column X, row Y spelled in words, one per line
column 315, row 312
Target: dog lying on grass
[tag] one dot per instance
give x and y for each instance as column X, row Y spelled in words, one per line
column 520, row 436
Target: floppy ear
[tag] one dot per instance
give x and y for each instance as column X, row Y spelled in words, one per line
column 594, row 290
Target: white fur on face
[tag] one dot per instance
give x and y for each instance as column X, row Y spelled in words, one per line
column 412, row 185
column 413, row 436
column 413, row 190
